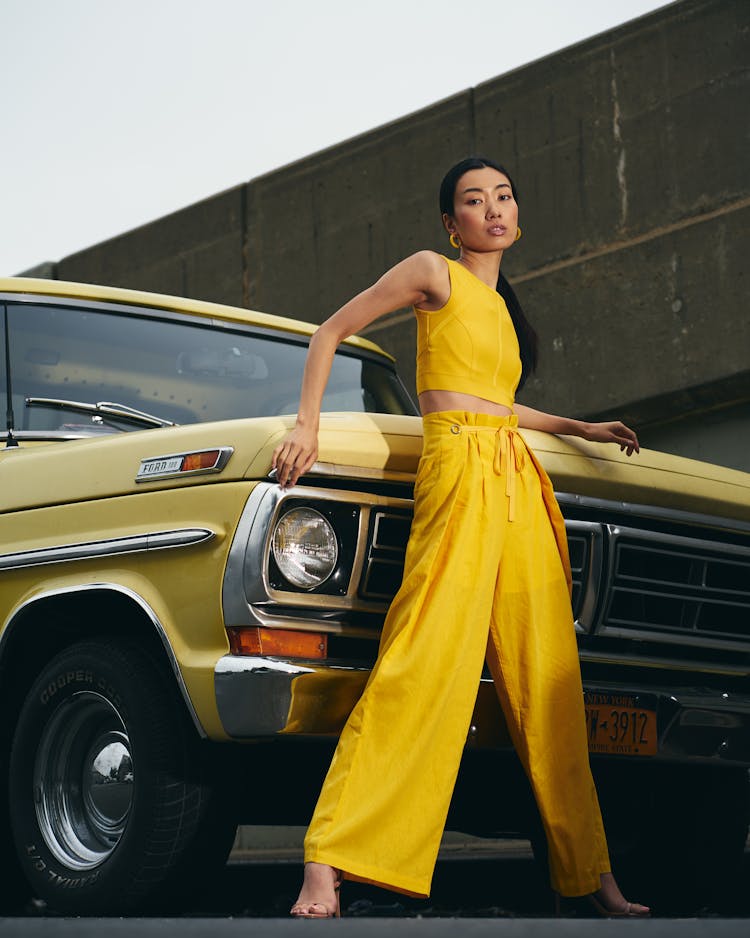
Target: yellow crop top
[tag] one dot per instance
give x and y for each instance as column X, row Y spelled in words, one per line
column 470, row 344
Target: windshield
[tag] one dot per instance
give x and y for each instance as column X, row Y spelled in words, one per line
column 174, row 370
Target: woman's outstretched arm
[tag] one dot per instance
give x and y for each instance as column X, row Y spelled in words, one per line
column 607, row 432
column 413, row 281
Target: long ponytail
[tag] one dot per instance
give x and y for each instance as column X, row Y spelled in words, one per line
column 528, row 342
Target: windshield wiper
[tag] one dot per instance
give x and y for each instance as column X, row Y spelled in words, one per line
column 110, row 408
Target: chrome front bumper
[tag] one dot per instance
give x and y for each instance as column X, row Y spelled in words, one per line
column 259, row 698
column 262, row 697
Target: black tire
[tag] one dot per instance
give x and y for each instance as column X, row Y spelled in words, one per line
column 14, row 890
column 109, row 805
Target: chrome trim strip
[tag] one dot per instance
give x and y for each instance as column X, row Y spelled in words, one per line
column 360, row 555
column 591, row 576
column 673, row 664
column 677, row 540
column 90, row 550
column 259, row 614
column 255, row 517
column 221, row 460
column 673, row 638
column 231, row 664
column 338, row 470
column 41, row 436
column 652, row 511
column 130, row 594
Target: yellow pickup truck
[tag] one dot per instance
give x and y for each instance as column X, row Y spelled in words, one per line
column 181, row 641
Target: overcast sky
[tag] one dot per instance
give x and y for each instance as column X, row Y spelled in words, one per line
column 117, row 113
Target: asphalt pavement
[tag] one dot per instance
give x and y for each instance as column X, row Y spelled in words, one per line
column 368, row 928
column 479, row 889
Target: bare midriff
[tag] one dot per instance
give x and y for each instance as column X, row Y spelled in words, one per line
column 431, row 402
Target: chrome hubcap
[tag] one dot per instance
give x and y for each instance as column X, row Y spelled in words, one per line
column 83, row 781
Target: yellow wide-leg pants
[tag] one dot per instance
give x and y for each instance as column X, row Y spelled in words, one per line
column 486, row 574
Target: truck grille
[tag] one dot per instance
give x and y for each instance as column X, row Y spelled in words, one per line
column 386, row 549
column 584, row 547
column 678, row 586
column 673, row 584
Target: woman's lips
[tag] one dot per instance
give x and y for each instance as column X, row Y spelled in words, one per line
column 497, row 230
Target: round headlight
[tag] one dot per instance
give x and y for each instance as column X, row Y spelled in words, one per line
column 305, row 548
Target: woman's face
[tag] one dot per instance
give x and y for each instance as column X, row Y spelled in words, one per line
column 485, row 213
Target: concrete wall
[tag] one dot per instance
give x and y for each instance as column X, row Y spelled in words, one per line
column 196, row 252
column 629, row 151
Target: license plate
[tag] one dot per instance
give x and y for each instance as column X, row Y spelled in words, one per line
column 616, row 725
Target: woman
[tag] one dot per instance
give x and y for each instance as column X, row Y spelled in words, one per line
column 486, row 575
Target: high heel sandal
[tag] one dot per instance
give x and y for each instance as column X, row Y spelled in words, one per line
column 320, row 909
column 630, row 909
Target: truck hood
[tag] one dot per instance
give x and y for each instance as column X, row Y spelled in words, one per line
column 376, row 446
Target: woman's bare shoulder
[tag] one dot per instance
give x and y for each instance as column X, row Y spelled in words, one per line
column 430, row 269
column 428, row 261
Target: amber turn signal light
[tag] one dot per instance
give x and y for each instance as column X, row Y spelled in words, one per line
column 206, row 460
column 285, row 643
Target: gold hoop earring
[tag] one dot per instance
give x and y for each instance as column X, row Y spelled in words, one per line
column 518, row 233
column 455, row 241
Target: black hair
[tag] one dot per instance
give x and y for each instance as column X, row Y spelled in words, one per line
column 527, row 337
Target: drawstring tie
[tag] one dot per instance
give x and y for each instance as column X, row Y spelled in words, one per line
column 509, row 456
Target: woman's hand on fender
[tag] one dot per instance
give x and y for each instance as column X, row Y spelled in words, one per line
column 295, row 455
column 613, row 432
